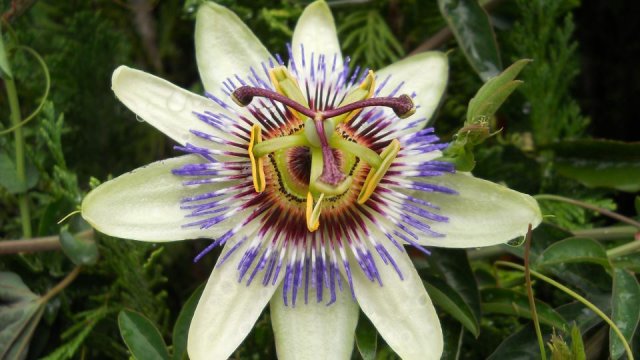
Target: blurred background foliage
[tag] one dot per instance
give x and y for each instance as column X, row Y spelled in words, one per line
column 579, row 88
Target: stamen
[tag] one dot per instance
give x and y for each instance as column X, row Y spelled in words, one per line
column 313, row 212
column 257, row 166
column 375, row 175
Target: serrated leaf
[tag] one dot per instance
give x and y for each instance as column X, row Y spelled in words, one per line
column 141, row 336
column 446, row 298
column 84, row 325
column 600, row 163
column 9, row 175
column 80, row 251
column 20, row 312
column 574, row 250
column 366, row 338
column 472, row 29
column 625, row 309
column 181, row 328
column 5, row 68
column 367, row 37
column 509, row 302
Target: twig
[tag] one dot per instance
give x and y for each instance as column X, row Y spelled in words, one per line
column 17, row 8
column 46, row 243
column 61, row 285
column 434, row 42
column 145, row 25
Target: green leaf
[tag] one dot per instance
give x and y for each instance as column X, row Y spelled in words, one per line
column 20, row 313
column 509, row 302
column 472, row 29
column 636, row 203
column 453, row 333
column 80, row 251
column 521, row 345
column 5, row 68
column 481, row 109
column 494, row 92
column 452, row 303
column 9, row 175
column 366, row 338
column 141, row 336
column 629, row 262
column 600, row 163
column 625, row 311
column 577, row 346
column 454, row 268
column 574, row 250
column 181, row 328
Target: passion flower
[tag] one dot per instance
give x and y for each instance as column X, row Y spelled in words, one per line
column 313, row 177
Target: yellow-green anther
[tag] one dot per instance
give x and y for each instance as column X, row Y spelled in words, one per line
column 363, row 91
column 375, row 175
column 287, row 85
column 313, row 212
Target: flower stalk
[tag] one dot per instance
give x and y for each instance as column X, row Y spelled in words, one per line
column 16, row 119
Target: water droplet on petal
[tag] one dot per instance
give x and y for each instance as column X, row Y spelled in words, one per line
column 516, row 242
column 176, row 102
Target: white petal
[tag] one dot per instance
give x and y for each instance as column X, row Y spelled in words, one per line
column 482, row 214
column 145, row 204
column 316, row 31
column 401, row 310
column 227, row 310
column 314, row 330
column 424, row 74
column 225, row 47
column 165, row 106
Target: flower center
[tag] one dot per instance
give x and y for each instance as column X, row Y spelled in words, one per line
column 324, row 174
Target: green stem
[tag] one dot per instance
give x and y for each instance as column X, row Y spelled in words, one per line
column 532, row 301
column 585, row 205
column 624, row 249
column 364, row 153
column 45, row 96
column 280, row 143
column 607, row 233
column 23, row 198
column 576, row 296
